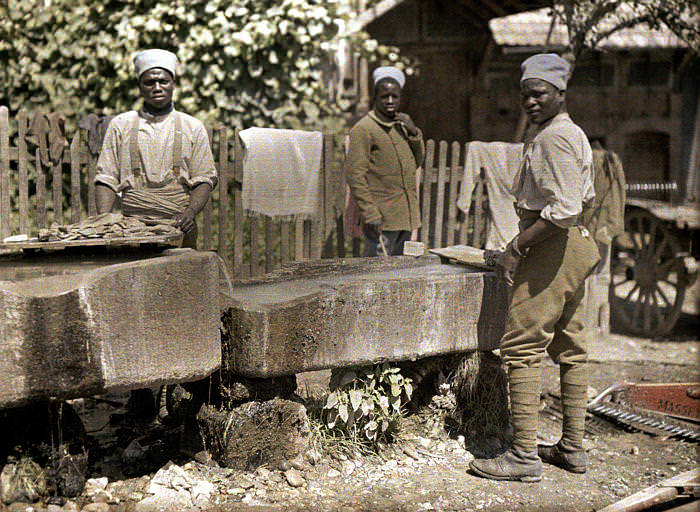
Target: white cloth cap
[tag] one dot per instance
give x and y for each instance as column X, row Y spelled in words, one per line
column 389, row 72
column 549, row 67
column 155, row 58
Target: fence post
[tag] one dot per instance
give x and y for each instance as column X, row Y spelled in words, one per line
column 4, row 172
column 223, row 192
column 427, row 188
column 75, row 206
column 452, row 201
column 22, row 168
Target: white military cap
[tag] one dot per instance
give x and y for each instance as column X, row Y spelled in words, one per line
column 389, row 72
column 549, row 67
column 155, row 58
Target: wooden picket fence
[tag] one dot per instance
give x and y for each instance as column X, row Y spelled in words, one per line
column 35, row 193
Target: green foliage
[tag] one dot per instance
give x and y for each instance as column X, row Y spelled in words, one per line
column 246, row 63
column 365, row 402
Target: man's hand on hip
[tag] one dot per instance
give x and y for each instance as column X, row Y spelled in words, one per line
column 185, row 221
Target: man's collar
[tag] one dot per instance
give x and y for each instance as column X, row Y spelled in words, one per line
column 155, row 118
column 388, row 124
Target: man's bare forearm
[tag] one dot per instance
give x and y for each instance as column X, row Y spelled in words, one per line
column 104, row 198
column 199, row 197
column 538, row 231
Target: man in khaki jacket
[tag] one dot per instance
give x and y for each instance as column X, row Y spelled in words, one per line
column 385, row 149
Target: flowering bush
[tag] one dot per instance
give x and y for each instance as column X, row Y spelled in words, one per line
column 249, row 62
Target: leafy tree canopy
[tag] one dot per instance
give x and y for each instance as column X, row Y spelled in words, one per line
column 248, row 62
column 590, row 21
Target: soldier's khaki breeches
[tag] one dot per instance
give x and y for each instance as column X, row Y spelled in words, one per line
column 546, row 302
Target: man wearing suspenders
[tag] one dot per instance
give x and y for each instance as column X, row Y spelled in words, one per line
column 158, row 160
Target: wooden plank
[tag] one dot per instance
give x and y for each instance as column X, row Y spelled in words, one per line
column 308, row 239
column 56, row 187
column 440, row 195
column 22, row 169
column 340, row 236
column 4, row 172
column 253, row 222
column 91, row 171
column 285, row 234
column 299, row 240
column 462, row 239
column 75, row 206
column 452, row 198
column 427, row 180
column 237, row 205
column 40, row 191
column 479, row 234
column 223, row 195
column 269, row 244
column 207, row 210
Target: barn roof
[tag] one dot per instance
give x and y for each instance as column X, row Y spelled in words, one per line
column 532, row 29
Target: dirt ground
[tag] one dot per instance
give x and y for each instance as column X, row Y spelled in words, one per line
column 427, row 470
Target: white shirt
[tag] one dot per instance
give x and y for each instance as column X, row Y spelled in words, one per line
column 155, row 141
column 556, row 173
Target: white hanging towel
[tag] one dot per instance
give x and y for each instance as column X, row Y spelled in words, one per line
column 500, row 161
column 281, row 172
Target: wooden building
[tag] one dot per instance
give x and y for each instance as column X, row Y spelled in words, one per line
column 637, row 95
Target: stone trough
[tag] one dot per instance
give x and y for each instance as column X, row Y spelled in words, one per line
column 74, row 325
column 335, row 313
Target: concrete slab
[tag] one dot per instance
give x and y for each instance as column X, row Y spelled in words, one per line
column 75, row 325
column 335, row 313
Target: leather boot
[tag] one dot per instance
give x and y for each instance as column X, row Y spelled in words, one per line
column 511, row 465
column 574, row 461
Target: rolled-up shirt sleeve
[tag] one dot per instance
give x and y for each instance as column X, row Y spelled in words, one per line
column 201, row 166
column 108, row 164
column 558, row 179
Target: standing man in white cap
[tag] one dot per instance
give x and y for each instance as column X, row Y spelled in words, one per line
column 157, row 159
column 385, row 149
column 546, row 265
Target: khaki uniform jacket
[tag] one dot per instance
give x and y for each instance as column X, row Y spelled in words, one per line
column 380, row 168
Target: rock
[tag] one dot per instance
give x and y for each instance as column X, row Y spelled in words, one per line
column 22, row 481
column 294, row 477
column 95, row 484
column 348, row 467
column 70, row 506
column 314, row 456
column 95, row 507
column 172, row 488
column 298, row 463
column 133, row 452
column 333, row 473
column 20, row 507
column 53, row 508
column 255, row 433
column 244, row 483
column 263, row 474
column 284, row 465
column 634, row 450
column 204, row 457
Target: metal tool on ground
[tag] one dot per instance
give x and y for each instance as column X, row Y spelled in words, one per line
column 671, row 409
column 680, row 493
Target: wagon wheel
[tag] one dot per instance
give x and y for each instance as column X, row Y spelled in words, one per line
column 647, row 281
